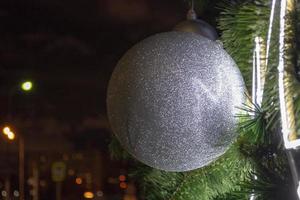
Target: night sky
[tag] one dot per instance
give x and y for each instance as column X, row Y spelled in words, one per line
column 69, row 49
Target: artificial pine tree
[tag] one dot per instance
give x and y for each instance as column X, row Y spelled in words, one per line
column 259, row 165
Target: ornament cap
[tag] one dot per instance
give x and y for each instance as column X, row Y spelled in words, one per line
column 191, row 14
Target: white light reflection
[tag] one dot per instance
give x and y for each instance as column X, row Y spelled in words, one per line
column 270, row 30
column 298, row 190
column 283, row 110
column 259, row 86
column 257, row 82
column 284, row 122
column 254, row 77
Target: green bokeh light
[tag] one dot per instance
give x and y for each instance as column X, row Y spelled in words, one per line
column 27, row 85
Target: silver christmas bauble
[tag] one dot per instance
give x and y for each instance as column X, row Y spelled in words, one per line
column 172, row 99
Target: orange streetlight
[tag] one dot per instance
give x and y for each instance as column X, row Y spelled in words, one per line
column 6, row 130
column 9, row 133
column 11, row 136
column 78, row 181
column 88, row 195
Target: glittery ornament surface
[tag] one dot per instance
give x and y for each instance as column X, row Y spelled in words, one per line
column 172, row 100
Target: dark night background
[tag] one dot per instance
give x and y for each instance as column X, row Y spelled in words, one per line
column 69, row 49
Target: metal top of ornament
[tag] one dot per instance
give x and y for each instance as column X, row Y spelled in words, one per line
column 194, row 25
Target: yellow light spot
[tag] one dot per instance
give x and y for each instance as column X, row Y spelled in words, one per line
column 11, row 136
column 123, row 185
column 78, row 181
column 26, row 86
column 88, row 195
column 6, row 130
column 122, row 178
